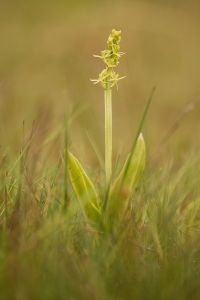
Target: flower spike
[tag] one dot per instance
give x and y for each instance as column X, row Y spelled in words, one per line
column 110, row 56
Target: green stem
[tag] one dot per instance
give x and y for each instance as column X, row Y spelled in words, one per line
column 108, row 134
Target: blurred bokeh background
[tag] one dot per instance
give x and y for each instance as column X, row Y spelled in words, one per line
column 46, row 62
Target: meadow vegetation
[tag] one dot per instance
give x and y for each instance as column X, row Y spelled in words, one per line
column 74, row 225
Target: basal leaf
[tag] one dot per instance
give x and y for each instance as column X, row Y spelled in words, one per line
column 126, row 182
column 84, row 189
column 133, row 167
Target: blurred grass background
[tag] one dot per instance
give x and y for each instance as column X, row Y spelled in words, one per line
column 46, row 63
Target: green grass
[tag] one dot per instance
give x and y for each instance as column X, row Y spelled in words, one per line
column 49, row 251
column 48, row 248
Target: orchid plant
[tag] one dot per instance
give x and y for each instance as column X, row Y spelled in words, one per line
column 108, row 212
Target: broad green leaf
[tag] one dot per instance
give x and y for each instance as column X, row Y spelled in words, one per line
column 84, row 189
column 133, row 167
column 126, row 182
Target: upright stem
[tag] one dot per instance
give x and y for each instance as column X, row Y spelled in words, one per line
column 108, row 134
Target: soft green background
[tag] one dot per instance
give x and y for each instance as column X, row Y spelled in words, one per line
column 48, row 250
column 46, row 62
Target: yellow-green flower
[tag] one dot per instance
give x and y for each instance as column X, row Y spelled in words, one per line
column 108, row 77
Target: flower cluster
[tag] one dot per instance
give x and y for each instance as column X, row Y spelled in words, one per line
column 108, row 77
